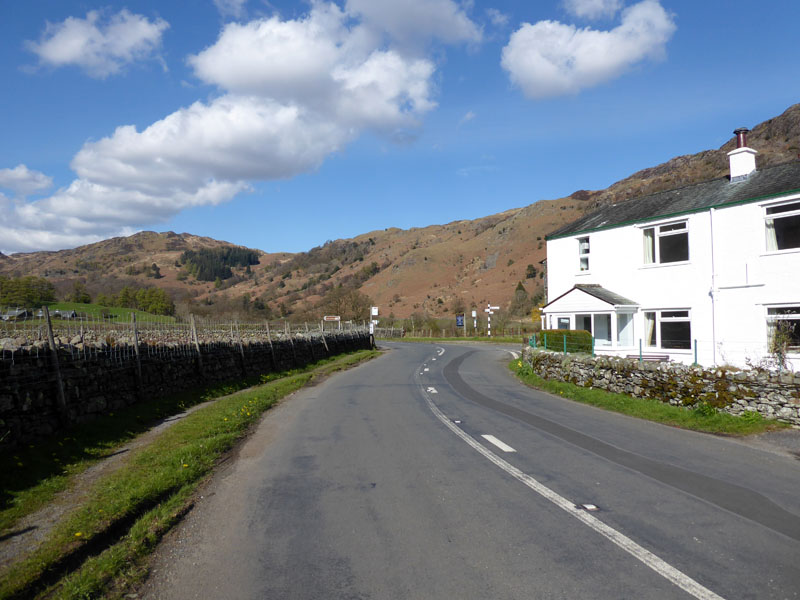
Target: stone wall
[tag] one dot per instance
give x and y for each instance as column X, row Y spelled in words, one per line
column 773, row 395
column 96, row 383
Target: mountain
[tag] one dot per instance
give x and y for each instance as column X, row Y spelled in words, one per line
column 429, row 270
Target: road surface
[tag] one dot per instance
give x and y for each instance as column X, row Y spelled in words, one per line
column 432, row 473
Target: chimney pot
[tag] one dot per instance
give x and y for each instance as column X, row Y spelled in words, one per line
column 741, row 137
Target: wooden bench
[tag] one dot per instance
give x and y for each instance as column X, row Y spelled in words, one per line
column 650, row 357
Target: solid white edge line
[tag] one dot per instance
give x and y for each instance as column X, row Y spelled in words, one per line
column 657, row 564
column 502, row 445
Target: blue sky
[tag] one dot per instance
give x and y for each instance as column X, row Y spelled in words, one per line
column 280, row 125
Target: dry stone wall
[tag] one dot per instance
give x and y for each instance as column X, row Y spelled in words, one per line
column 97, row 381
column 773, row 395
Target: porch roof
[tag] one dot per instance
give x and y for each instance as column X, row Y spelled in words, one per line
column 595, row 291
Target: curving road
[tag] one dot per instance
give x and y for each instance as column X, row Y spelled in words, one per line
column 431, row 473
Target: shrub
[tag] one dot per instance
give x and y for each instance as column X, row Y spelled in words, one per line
column 577, row 340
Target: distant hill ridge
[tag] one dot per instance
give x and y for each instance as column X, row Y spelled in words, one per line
column 429, row 270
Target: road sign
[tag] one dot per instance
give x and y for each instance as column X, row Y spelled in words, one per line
column 331, row 318
column 474, row 313
column 489, row 309
column 374, row 311
column 459, row 320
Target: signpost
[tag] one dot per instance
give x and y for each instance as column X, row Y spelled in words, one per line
column 475, row 322
column 332, row 319
column 460, row 323
column 490, row 309
column 373, row 322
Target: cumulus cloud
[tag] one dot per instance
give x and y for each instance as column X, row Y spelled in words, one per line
column 230, row 8
column 101, row 47
column 22, row 181
column 413, row 22
column 550, row 59
column 497, row 18
column 290, row 92
column 593, row 9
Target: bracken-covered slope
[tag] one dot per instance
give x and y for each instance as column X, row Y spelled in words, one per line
column 424, row 270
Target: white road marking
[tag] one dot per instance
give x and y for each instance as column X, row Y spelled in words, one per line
column 514, row 354
column 502, row 445
column 425, row 370
column 433, row 359
column 432, row 390
column 658, row 565
column 440, row 351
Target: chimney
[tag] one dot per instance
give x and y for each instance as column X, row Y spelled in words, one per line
column 743, row 159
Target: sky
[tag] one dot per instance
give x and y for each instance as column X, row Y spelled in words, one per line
column 280, row 125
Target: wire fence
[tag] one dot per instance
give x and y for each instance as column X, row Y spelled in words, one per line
column 26, row 334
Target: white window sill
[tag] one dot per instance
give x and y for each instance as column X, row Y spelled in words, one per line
column 582, row 273
column 781, row 252
column 669, row 264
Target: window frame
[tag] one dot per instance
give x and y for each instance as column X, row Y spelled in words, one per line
column 658, row 320
column 772, row 321
column 583, row 255
column 655, row 241
column 770, row 236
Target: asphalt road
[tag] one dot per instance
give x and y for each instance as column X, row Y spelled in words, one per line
column 379, row 483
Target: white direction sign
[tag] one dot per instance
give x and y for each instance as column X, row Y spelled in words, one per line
column 331, row 318
column 374, row 311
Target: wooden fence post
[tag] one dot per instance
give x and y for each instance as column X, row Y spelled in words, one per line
column 62, row 399
column 139, row 381
column 196, row 344
column 271, row 349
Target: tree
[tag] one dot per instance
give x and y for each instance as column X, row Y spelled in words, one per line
column 348, row 303
column 521, row 304
column 79, row 293
column 530, row 272
column 26, row 291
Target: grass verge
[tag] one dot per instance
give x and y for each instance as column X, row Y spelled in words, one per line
column 98, row 550
column 708, row 420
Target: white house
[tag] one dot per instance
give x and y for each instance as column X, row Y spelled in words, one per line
column 706, row 272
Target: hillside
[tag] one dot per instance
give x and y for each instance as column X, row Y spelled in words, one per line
column 430, row 270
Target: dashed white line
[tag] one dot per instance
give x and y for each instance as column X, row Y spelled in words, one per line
column 502, row 445
column 642, row 554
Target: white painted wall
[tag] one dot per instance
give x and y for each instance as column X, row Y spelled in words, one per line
column 730, row 328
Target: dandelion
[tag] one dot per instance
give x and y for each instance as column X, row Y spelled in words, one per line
column 185, row 465
column 78, row 534
column 226, row 418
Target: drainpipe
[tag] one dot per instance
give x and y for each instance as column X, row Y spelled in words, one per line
column 713, row 292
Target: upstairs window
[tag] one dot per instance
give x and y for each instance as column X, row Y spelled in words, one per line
column 783, row 226
column 583, row 253
column 666, row 243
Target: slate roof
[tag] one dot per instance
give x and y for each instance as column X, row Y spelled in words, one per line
column 599, row 292
column 771, row 181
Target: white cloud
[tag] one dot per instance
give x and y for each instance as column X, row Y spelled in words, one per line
column 413, row 22
column 469, row 116
column 23, row 181
column 497, row 18
column 593, row 9
column 98, row 46
column 230, row 8
column 550, row 59
column 291, row 93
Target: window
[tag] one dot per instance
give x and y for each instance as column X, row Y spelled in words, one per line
column 563, row 322
column 666, row 243
column 602, row 330
column 783, row 325
column 625, row 329
column 583, row 322
column 783, row 226
column 669, row 329
column 583, row 253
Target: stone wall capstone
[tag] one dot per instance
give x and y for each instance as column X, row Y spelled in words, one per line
column 773, row 395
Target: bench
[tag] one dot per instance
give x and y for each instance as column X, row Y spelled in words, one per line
column 650, row 357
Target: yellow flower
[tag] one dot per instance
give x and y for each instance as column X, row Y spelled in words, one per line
column 78, row 534
column 185, row 465
column 19, row 464
column 226, row 418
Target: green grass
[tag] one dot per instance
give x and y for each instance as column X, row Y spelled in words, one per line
column 130, row 509
column 707, row 419
column 121, row 315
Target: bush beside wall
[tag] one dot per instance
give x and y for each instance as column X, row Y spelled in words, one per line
column 773, row 395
